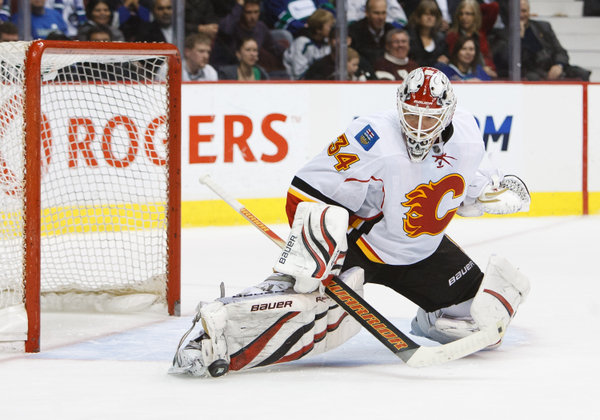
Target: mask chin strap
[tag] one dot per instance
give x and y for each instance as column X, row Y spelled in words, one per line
column 447, row 132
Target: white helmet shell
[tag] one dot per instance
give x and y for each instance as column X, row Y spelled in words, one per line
column 426, row 104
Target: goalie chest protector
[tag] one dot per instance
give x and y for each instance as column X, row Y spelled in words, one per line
column 368, row 171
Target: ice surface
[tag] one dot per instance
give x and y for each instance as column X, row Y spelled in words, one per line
column 114, row 366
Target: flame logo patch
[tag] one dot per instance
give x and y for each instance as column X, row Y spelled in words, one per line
column 423, row 203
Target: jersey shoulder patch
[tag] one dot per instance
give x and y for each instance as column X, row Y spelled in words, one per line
column 367, row 137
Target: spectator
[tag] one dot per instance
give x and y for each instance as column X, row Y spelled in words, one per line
column 4, row 10
column 427, row 43
column 463, row 61
column 542, row 56
column 132, row 15
column 196, row 54
column 353, row 66
column 353, row 60
column 161, row 28
column 246, row 69
column 310, row 47
column 394, row 13
column 242, row 23
column 100, row 33
column 9, row 32
column 446, row 7
column 223, row 7
column 325, row 68
column 477, row 21
column 292, row 14
column 368, row 34
column 201, row 17
column 133, row 9
column 43, row 20
column 395, row 64
column 98, row 12
column 591, row 7
column 73, row 13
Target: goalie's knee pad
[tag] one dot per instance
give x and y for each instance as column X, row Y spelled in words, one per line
column 502, row 290
column 316, row 246
column 267, row 324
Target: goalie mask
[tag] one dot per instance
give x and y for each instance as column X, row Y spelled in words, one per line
column 426, row 104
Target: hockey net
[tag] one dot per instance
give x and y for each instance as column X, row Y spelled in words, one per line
column 89, row 181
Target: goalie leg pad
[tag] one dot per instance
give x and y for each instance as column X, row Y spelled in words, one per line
column 272, row 327
column 268, row 329
column 316, row 246
column 502, row 290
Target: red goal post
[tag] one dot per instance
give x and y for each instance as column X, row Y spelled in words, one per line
column 89, row 194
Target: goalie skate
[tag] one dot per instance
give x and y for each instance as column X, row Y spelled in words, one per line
column 206, row 354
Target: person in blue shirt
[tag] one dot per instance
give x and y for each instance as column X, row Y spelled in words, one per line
column 44, row 21
column 465, row 62
column 73, row 13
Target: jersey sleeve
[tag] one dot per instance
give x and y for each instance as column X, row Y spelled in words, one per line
column 346, row 173
column 487, row 171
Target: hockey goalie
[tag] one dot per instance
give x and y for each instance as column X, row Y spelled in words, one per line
column 373, row 207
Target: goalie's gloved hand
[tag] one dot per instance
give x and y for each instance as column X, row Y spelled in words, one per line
column 509, row 196
column 316, row 246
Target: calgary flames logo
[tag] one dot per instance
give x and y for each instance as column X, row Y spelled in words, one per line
column 423, row 203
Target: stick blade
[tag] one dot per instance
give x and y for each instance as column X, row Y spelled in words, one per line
column 431, row 356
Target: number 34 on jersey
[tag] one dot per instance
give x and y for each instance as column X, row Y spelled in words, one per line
column 344, row 160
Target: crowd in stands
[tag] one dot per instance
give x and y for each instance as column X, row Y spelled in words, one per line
column 295, row 39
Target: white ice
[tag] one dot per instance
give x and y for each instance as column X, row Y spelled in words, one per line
column 114, row 366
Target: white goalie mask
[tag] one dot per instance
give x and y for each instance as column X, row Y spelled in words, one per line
column 426, row 104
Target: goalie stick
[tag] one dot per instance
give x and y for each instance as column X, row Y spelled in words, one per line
column 395, row 340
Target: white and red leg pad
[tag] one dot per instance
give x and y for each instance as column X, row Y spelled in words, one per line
column 502, row 290
column 283, row 327
column 316, row 246
column 275, row 326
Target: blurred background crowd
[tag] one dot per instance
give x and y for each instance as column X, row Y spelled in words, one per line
column 295, row 39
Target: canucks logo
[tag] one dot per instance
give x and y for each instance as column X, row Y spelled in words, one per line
column 367, row 137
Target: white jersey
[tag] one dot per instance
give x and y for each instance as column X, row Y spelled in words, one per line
column 206, row 74
column 301, row 54
column 401, row 208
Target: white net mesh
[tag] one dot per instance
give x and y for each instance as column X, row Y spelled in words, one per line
column 12, row 155
column 104, row 175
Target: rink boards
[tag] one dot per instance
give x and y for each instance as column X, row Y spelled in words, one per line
column 251, row 138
